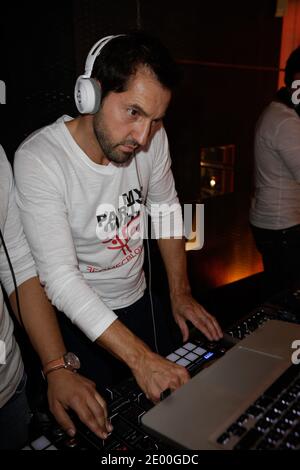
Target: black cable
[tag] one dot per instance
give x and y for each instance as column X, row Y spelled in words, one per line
column 149, row 260
column 14, row 280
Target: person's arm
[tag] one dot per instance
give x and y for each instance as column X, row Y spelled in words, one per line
column 45, row 218
column 184, row 306
column 45, row 210
column 164, row 207
column 153, row 373
column 66, row 390
column 287, row 144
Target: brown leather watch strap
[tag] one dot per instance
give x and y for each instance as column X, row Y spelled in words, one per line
column 54, row 365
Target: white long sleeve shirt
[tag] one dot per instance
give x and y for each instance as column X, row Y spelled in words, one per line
column 11, row 365
column 70, row 206
column 276, row 202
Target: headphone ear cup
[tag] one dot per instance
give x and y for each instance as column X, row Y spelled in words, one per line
column 87, row 95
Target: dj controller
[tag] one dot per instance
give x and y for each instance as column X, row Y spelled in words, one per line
column 127, row 403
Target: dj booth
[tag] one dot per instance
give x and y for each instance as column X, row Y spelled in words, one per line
column 270, row 419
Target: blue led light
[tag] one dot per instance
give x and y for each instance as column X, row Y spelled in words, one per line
column 208, row 355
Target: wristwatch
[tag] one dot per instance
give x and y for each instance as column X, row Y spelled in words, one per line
column 68, row 361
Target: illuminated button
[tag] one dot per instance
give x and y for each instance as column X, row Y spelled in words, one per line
column 208, row 355
column 52, row 447
column 172, row 357
column 40, row 443
column 189, row 346
column 181, row 352
column 199, row 351
column 183, row 362
column 191, row 356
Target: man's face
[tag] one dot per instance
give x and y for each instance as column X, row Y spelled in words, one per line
column 127, row 121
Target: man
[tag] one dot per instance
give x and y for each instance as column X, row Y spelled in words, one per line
column 77, row 179
column 65, row 389
column 275, row 212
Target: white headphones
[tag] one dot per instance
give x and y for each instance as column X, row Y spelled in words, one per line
column 87, row 90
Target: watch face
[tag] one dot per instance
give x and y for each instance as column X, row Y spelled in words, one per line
column 71, row 361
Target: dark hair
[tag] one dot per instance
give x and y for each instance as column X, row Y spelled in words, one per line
column 292, row 66
column 120, row 58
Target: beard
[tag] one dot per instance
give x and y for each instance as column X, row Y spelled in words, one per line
column 112, row 149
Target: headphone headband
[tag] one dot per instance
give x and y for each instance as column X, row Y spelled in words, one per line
column 87, row 92
column 94, row 52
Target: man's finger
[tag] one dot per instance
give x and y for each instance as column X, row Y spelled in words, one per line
column 98, row 407
column 201, row 324
column 102, row 403
column 217, row 326
column 63, row 419
column 213, row 321
column 184, row 329
column 213, row 326
column 204, row 322
column 92, row 415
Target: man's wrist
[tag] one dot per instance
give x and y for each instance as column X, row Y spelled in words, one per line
column 123, row 344
column 67, row 361
column 139, row 358
column 182, row 290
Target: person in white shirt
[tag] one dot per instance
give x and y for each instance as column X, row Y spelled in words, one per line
column 81, row 187
column 275, row 210
column 65, row 389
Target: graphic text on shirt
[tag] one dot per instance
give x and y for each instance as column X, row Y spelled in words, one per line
column 117, row 226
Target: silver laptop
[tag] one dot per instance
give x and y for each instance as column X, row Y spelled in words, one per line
column 197, row 414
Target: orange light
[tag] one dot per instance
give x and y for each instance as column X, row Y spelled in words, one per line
column 212, row 182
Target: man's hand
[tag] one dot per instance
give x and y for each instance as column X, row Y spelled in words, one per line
column 67, row 390
column 154, row 375
column 185, row 307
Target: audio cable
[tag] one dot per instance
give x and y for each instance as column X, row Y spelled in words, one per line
column 14, row 279
column 149, row 261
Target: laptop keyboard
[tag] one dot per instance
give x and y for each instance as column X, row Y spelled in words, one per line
column 272, row 421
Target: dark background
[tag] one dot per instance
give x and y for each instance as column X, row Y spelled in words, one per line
column 228, row 53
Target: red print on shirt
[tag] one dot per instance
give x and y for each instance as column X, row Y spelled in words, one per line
column 121, row 242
